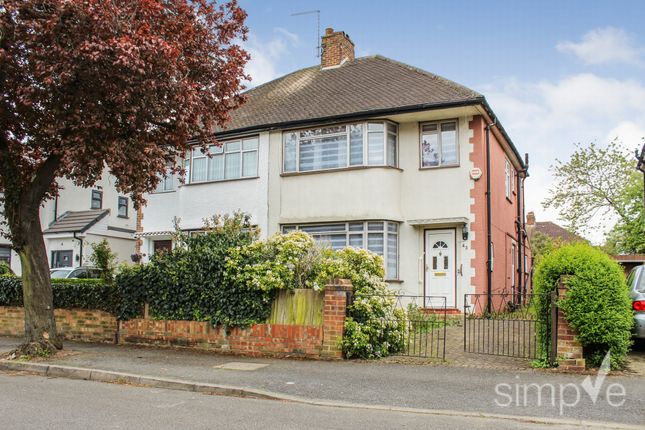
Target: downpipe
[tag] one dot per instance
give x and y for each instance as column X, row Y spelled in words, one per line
column 489, row 227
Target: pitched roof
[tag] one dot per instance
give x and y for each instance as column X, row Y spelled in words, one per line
column 554, row 231
column 76, row 222
column 367, row 85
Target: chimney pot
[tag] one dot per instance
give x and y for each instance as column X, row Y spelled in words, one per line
column 530, row 218
column 337, row 48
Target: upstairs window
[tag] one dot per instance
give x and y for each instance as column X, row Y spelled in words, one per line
column 166, row 181
column 123, row 207
column 97, row 199
column 439, row 144
column 230, row 160
column 372, row 143
column 508, row 178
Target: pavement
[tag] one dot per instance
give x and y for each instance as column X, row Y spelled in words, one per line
column 377, row 384
column 73, row 404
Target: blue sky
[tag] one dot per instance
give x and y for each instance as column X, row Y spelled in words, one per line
column 556, row 72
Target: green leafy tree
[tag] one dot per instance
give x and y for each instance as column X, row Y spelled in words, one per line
column 597, row 186
column 103, row 258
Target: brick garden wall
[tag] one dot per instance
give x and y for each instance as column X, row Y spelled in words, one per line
column 279, row 340
column 73, row 324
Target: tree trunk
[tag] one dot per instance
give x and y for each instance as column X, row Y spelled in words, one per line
column 41, row 336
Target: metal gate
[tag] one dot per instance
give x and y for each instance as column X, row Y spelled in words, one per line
column 418, row 324
column 501, row 324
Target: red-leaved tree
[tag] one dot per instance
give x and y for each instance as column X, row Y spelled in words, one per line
column 92, row 84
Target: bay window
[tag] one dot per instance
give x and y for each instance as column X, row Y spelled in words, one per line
column 372, row 143
column 439, row 144
column 380, row 237
column 230, row 160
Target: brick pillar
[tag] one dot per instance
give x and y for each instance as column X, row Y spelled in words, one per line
column 569, row 349
column 334, row 311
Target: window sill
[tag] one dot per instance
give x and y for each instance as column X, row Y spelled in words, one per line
column 163, row 192
column 220, row 181
column 339, row 169
column 123, row 217
column 449, row 166
column 394, row 281
column 509, row 200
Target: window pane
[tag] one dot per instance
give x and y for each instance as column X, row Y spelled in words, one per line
column 375, row 126
column 375, row 243
column 168, row 182
column 429, row 127
column 375, row 148
column 356, row 144
column 335, row 241
column 391, row 149
column 216, row 168
column 375, row 226
column 323, row 131
column 323, row 153
column 311, row 229
column 232, row 146
column 356, row 226
column 250, row 163
column 391, row 128
column 288, row 228
column 429, row 150
column 187, row 170
column 250, row 144
column 199, row 169
column 392, row 227
column 290, row 152
column 449, row 143
column 232, row 166
column 392, row 248
column 356, row 240
column 214, row 149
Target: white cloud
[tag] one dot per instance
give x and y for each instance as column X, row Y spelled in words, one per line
column 546, row 118
column 604, row 45
column 267, row 55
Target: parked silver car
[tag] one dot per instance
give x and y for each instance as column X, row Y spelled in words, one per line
column 636, row 282
column 75, row 272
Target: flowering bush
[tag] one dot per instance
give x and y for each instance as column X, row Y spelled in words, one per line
column 375, row 327
column 285, row 261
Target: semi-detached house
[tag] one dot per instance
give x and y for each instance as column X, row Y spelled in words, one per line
column 370, row 153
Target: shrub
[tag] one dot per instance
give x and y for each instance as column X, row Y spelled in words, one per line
column 596, row 304
column 131, row 291
column 5, row 269
column 375, row 327
column 187, row 283
column 103, row 258
column 68, row 294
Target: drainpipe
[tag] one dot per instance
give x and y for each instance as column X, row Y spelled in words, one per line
column 80, row 256
column 524, row 176
column 55, row 208
column 489, row 226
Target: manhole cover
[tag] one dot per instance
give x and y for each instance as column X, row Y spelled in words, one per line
column 241, row 366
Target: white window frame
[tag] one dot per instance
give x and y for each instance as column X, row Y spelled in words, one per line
column 365, row 161
column 223, row 145
column 122, row 201
column 438, row 132
column 99, row 193
column 368, row 227
column 166, row 182
column 508, row 179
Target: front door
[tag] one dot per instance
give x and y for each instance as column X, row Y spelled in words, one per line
column 61, row 259
column 440, row 266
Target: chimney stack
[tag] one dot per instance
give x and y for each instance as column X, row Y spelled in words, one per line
column 530, row 218
column 336, row 48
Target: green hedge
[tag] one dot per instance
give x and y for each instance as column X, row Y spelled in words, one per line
column 68, row 294
column 596, row 304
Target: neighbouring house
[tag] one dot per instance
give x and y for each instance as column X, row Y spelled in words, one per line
column 371, row 153
column 550, row 229
column 79, row 217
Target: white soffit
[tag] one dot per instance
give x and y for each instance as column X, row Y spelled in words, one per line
column 436, row 221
